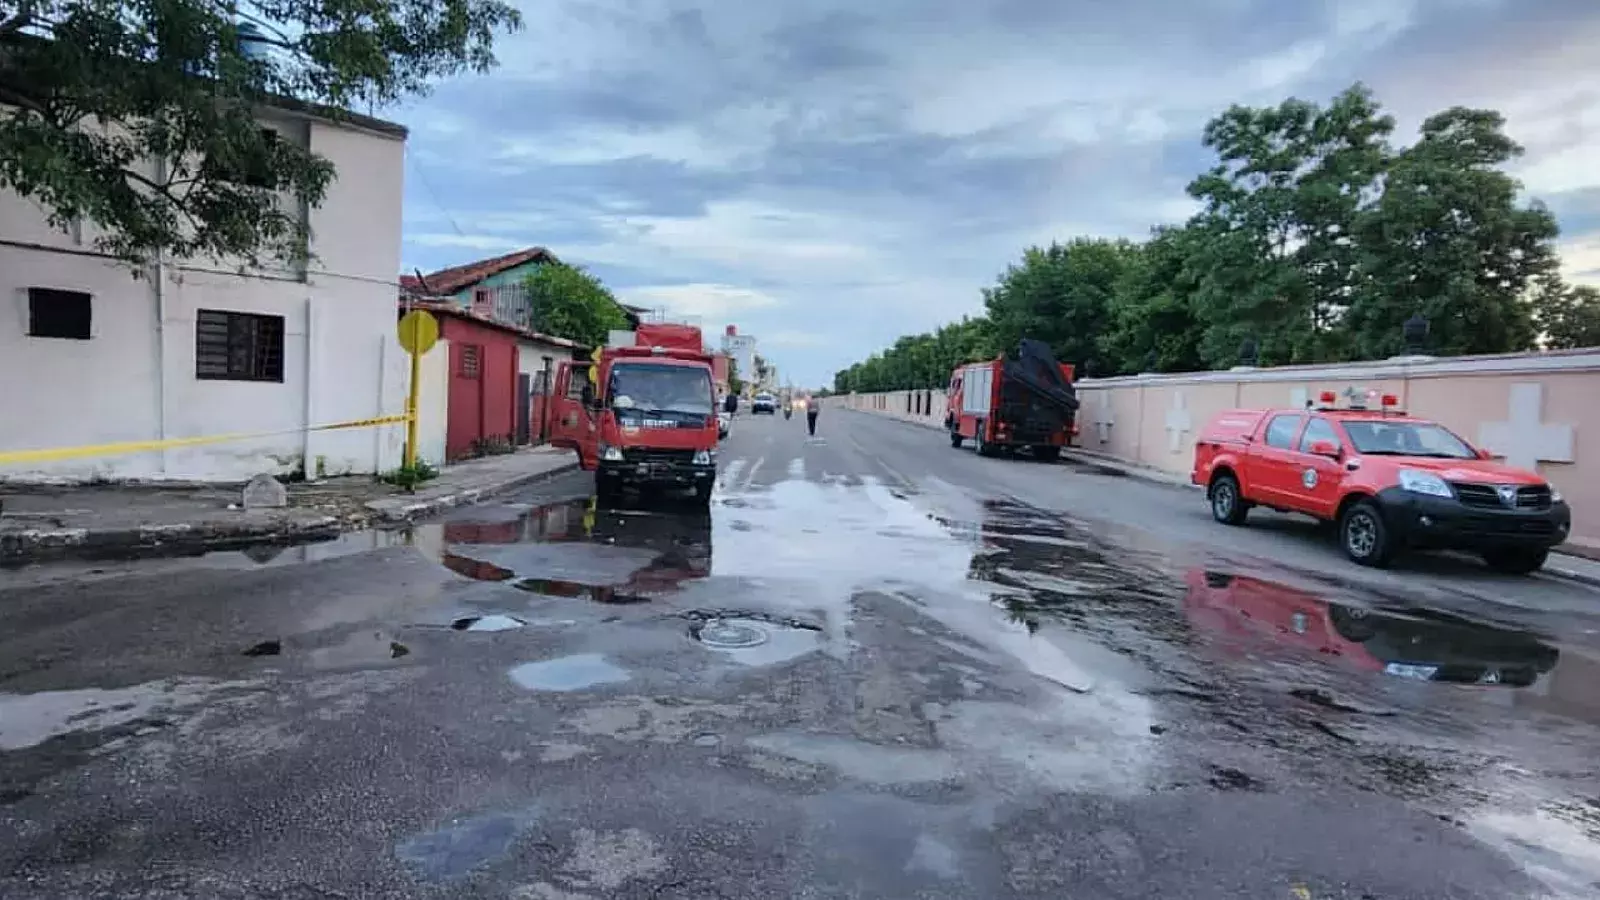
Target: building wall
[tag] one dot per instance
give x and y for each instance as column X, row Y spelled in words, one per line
column 134, row 379
column 481, row 406
column 1536, row 410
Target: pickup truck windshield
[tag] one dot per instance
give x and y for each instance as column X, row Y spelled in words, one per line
column 648, row 387
column 1407, row 439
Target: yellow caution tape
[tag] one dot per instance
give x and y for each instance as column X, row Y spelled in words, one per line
column 29, row 456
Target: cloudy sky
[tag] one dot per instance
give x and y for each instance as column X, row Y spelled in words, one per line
column 830, row 178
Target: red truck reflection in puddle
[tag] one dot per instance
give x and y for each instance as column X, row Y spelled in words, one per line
column 1237, row 610
column 680, row 538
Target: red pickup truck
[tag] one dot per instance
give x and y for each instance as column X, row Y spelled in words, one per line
column 1387, row 480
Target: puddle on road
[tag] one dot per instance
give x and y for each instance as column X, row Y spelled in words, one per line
column 1241, row 613
column 577, row 549
column 568, row 673
column 494, row 622
column 457, row 848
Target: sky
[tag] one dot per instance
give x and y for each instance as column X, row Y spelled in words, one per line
column 829, row 178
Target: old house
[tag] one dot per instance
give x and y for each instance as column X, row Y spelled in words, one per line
column 197, row 347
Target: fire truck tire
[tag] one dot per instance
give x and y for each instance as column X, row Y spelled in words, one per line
column 1227, row 506
column 702, row 494
column 607, row 490
column 1364, row 535
column 983, row 447
column 955, row 438
column 1047, row 453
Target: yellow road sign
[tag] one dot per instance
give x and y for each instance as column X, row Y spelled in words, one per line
column 419, row 331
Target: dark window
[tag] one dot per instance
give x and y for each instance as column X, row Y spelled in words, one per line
column 470, row 362
column 1318, row 430
column 231, row 346
column 1281, row 431
column 577, row 381
column 59, row 314
column 251, row 167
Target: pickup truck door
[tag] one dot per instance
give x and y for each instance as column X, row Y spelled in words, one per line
column 1317, row 492
column 573, row 423
column 1271, row 474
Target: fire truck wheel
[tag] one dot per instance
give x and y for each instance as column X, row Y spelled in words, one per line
column 702, row 494
column 1516, row 560
column 983, row 447
column 1227, row 506
column 607, row 490
column 955, row 438
column 1047, row 453
column 1364, row 535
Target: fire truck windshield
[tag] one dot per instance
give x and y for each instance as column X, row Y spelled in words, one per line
column 651, row 387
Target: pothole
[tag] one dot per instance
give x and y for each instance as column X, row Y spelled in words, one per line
column 495, row 622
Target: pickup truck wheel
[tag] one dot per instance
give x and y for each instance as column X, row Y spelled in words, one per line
column 1047, row 453
column 1515, row 560
column 1364, row 536
column 1227, row 506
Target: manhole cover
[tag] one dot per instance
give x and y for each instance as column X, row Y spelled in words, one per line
column 731, row 635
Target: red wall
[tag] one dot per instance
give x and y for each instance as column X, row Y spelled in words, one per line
column 483, row 406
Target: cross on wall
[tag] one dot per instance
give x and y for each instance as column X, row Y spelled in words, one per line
column 1524, row 440
column 1178, row 423
column 1103, row 416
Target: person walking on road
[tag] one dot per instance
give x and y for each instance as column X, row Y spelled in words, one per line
column 811, row 416
column 730, row 404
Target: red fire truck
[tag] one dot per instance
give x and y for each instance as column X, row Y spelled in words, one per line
column 1024, row 401
column 643, row 413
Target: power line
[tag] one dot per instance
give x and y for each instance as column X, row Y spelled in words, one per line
column 416, row 168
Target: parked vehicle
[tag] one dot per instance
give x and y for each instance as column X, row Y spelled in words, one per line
column 648, row 418
column 1389, row 481
column 764, row 403
column 1025, row 401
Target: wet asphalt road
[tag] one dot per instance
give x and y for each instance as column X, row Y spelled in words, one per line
column 880, row 668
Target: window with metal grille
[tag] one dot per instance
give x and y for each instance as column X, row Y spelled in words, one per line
column 232, row 346
column 470, row 361
column 252, row 166
column 54, row 313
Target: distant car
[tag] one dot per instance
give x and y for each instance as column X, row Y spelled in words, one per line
column 764, row 403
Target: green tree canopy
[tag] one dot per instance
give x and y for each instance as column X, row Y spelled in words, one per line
column 142, row 118
column 570, row 302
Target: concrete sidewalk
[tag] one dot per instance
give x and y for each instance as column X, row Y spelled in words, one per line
column 123, row 520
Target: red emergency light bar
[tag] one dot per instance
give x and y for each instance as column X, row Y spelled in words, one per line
column 1388, row 402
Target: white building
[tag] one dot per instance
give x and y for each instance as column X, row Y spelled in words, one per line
column 741, row 348
column 95, row 356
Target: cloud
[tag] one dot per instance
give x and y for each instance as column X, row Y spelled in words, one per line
column 831, row 175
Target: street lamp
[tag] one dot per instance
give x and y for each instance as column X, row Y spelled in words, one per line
column 1249, row 353
column 1415, row 333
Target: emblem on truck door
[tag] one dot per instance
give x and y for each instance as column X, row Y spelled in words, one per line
column 1309, row 478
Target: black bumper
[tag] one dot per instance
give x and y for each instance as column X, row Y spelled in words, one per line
column 1440, row 523
column 640, row 472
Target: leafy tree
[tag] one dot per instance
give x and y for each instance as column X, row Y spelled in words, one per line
column 1278, row 260
column 1449, row 240
column 735, row 383
column 1152, row 326
column 1568, row 317
column 570, row 302
column 1061, row 294
column 141, row 118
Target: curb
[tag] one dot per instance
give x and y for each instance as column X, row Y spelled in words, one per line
column 399, row 511
column 188, row 538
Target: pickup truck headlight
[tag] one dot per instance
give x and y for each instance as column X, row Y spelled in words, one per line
column 1419, row 482
column 1555, row 496
column 610, row 453
column 705, row 457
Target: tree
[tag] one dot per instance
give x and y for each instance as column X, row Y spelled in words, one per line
column 1567, row 317
column 141, row 118
column 1277, row 260
column 570, row 302
column 1152, row 324
column 1448, row 240
column 1061, row 294
column 735, row 383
